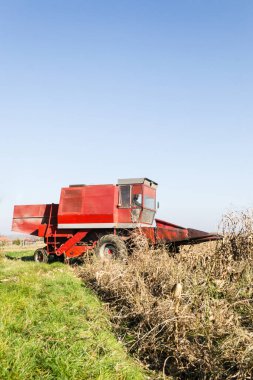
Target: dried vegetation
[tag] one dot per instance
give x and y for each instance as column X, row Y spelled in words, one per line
column 188, row 315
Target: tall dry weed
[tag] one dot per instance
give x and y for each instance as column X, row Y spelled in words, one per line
column 191, row 315
column 237, row 230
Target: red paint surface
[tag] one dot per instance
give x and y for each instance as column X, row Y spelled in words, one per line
column 88, row 204
column 29, row 219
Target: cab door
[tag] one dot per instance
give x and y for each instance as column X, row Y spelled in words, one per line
column 136, row 203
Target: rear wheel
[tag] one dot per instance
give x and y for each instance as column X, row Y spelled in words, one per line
column 111, row 247
column 40, row 256
column 173, row 248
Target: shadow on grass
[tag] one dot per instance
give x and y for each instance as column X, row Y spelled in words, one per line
column 23, row 258
column 75, row 261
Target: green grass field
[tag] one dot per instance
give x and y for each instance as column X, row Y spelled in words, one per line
column 53, row 327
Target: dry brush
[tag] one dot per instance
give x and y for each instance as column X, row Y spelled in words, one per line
column 188, row 315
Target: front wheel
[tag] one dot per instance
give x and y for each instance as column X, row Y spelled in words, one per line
column 40, row 256
column 111, row 247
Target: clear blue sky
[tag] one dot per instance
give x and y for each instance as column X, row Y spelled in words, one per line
column 92, row 91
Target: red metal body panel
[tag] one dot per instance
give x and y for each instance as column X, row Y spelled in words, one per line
column 124, row 215
column 150, row 233
column 29, row 218
column 87, row 204
column 71, row 242
column 170, row 232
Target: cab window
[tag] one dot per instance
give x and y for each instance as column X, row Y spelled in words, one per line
column 137, row 200
column 149, row 202
column 124, row 196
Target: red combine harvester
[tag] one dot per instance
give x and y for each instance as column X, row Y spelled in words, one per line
column 101, row 217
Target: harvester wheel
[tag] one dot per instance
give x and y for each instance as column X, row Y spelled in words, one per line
column 40, row 255
column 111, row 247
column 172, row 248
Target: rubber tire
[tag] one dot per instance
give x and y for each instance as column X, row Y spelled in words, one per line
column 40, row 256
column 117, row 244
column 172, row 248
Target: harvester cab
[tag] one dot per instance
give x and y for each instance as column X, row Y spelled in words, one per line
column 137, row 200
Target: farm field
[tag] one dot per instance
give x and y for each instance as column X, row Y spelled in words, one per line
column 53, row 327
